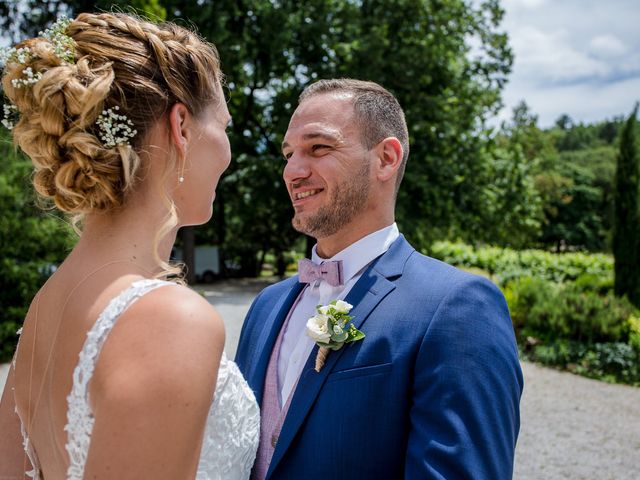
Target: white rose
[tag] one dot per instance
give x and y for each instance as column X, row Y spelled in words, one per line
column 343, row 307
column 318, row 328
column 324, row 309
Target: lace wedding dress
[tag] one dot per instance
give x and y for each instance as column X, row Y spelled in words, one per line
column 232, row 430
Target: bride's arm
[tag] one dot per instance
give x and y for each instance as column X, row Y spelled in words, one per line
column 153, row 387
column 12, row 457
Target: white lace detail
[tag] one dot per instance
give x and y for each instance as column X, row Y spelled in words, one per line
column 232, row 430
column 26, row 444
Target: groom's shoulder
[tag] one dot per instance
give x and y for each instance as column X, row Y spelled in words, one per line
column 441, row 276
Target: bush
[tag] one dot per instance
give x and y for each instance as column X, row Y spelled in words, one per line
column 550, row 311
column 612, row 361
column 506, row 264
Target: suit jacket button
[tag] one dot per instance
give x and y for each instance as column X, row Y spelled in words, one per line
column 274, row 440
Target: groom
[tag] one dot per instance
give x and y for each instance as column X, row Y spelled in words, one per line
column 433, row 389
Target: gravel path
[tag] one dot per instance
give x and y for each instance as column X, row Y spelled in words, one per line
column 572, row 428
column 576, row 428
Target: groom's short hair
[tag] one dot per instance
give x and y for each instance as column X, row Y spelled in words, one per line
column 377, row 112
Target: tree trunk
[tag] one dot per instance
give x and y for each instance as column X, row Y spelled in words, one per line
column 188, row 235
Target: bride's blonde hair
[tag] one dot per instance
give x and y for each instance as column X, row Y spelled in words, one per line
column 119, row 61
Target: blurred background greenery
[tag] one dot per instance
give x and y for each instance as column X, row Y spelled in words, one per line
column 539, row 210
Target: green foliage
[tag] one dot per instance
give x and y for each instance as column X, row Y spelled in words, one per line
column 633, row 326
column 573, row 169
column 573, row 137
column 572, row 326
column 575, row 209
column 551, row 311
column 32, row 242
column 506, row 264
column 514, row 206
column 613, row 362
column 626, row 232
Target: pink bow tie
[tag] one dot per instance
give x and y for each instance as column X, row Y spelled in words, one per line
column 329, row 271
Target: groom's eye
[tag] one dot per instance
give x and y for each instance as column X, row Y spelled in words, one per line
column 315, row 148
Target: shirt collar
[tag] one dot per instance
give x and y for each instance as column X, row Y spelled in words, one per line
column 361, row 253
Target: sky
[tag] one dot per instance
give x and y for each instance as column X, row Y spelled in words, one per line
column 579, row 57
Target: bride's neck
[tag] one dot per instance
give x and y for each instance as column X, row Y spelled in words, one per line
column 130, row 234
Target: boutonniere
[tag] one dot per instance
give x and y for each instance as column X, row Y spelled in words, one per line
column 328, row 328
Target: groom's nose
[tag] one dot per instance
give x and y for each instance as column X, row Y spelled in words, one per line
column 296, row 168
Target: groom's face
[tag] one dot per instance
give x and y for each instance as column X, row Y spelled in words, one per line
column 328, row 169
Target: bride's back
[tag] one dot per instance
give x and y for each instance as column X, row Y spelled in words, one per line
column 54, row 331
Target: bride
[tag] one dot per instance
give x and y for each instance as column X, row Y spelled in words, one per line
column 120, row 373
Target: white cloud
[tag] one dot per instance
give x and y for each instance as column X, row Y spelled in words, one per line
column 529, row 4
column 548, row 57
column 607, row 46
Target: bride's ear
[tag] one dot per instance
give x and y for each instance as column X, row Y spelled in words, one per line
column 178, row 125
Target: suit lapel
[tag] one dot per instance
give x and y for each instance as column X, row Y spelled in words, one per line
column 268, row 336
column 365, row 295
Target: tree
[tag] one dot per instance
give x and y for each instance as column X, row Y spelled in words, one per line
column 564, row 122
column 626, row 232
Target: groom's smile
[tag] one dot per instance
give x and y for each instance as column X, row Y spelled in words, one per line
column 308, row 193
column 303, row 196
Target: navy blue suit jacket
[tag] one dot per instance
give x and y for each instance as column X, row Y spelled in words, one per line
column 432, row 392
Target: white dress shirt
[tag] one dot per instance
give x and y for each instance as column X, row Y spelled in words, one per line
column 296, row 345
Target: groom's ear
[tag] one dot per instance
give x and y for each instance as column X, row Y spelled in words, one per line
column 389, row 158
column 179, row 127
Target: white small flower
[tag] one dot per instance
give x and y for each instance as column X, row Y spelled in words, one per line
column 63, row 45
column 115, row 129
column 10, row 116
column 343, row 307
column 324, row 309
column 318, row 328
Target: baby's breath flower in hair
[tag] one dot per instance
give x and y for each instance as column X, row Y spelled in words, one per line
column 63, row 44
column 115, row 129
column 12, row 54
column 10, row 116
column 30, row 78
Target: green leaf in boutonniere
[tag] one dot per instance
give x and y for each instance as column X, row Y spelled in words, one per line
column 328, row 328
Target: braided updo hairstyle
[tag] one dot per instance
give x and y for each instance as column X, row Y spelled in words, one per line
column 120, row 61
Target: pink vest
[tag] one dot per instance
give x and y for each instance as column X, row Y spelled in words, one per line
column 272, row 415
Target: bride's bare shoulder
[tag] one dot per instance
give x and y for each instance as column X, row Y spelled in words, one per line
column 170, row 339
column 177, row 305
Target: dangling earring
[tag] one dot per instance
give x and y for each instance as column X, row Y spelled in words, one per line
column 181, row 177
